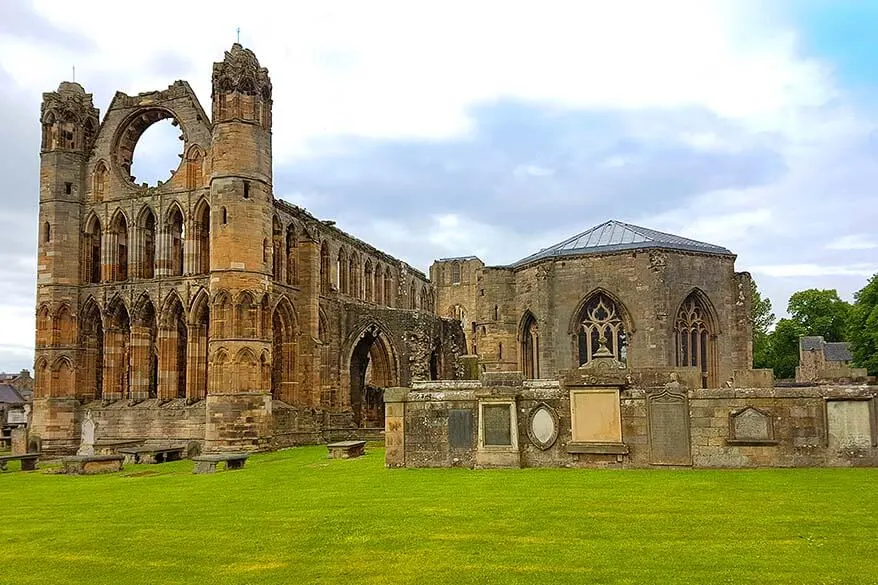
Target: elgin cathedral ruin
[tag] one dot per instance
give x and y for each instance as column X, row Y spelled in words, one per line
column 206, row 311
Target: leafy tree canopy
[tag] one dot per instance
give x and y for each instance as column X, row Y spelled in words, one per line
column 863, row 327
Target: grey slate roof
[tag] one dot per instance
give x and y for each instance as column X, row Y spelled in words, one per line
column 810, row 343
column 614, row 236
column 837, row 351
column 9, row 395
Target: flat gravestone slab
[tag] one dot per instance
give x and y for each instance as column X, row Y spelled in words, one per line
column 849, row 424
column 346, row 449
column 497, row 424
column 460, row 428
column 669, row 442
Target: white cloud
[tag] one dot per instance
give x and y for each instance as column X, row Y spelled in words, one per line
column 853, row 242
column 390, row 68
column 813, row 270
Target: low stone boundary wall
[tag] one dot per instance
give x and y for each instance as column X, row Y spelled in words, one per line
column 583, row 421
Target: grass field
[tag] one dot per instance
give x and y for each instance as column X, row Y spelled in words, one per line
column 296, row 517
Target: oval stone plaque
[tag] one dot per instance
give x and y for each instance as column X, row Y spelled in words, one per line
column 542, row 426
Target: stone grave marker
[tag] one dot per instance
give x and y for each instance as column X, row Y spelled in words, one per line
column 87, row 436
column 497, row 424
column 460, row 428
column 668, row 417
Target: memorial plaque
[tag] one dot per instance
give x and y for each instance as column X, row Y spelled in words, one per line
column 460, row 428
column 751, row 425
column 669, row 429
column 596, row 416
column 543, row 429
column 496, row 424
column 849, row 424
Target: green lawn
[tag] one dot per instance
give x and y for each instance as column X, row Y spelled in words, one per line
column 296, row 517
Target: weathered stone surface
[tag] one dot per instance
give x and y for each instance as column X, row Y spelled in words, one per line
column 669, row 442
column 203, row 308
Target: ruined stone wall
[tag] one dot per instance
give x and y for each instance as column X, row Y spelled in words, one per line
column 457, row 300
column 744, row 427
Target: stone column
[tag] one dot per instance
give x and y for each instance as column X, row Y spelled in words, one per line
column 168, row 373
column 109, row 263
column 309, row 358
column 140, row 350
column 196, row 370
column 135, row 252
column 163, row 252
column 394, row 426
column 113, row 366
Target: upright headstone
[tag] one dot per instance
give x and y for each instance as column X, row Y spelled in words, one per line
column 19, row 440
column 87, row 436
column 668, row 418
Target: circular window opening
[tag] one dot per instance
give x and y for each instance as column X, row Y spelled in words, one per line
column 157, row 153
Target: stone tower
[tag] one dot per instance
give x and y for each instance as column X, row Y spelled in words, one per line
column 238, row 414
column 69, row 124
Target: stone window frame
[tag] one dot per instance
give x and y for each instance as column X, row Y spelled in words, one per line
column 513, row 426
column 873, row 415
column 733, row 440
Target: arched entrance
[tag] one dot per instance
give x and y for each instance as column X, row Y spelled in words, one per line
column 373, row 368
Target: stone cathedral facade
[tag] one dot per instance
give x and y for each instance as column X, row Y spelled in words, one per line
column 203, row 308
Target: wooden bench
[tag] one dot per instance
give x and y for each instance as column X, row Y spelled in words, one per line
column 208, row 463
column 346, row 449
column 92, row 464
column 28, row 461
column 151, row 454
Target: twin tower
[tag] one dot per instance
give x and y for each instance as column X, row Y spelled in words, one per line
column 131, row 277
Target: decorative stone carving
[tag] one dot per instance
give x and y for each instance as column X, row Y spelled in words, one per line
column 542, row 426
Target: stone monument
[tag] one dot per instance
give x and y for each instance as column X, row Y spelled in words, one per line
column 87, row 436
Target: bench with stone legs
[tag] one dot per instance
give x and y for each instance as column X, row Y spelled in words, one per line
column 151, row 454
column 28, row 461
column 208, row 463
column 92, row 464
column 346, row 449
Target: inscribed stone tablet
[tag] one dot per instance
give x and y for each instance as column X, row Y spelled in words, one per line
column 596, row 416
column 460, row 428
column 497, row 424
column 751, row 425
column 849, row 424
column 669, row 430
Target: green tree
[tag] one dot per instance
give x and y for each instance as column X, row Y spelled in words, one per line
column 783, row 350
column 820, row 312
column 761, row 318
column 863, row 327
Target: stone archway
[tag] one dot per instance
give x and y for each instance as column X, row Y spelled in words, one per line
column 373, row 368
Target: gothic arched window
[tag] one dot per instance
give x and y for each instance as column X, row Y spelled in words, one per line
column 693, row 337
column 601, row 330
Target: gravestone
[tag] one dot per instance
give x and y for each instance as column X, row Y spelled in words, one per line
column 497, row 424
column 849, row 424
column 751, row 425
column 460, row 428
column 668, row 418
column 19, row 440
column 87, row 436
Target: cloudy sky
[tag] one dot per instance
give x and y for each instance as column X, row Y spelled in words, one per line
column 496, row 128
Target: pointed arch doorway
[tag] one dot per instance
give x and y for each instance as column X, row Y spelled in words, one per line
column 373, row 368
